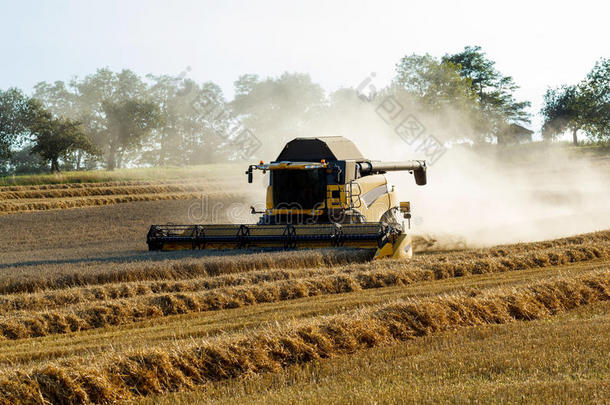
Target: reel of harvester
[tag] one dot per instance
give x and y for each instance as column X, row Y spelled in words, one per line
column 322, row 193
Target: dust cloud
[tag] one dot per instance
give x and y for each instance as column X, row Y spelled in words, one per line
column 480, row 195
column 490, row 198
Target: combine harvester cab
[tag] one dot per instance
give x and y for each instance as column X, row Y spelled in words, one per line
column 322, row 193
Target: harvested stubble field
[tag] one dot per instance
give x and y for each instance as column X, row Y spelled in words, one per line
column 85, row 189
column 87, row 315
column 94, row 194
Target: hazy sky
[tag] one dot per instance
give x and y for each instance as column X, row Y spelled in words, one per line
column 339, row 43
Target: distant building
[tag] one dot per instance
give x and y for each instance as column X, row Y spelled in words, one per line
column 514, row 133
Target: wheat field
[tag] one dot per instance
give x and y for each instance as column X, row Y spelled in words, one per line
column 88, row 315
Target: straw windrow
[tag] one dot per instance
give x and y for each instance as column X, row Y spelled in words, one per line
column 169, row 369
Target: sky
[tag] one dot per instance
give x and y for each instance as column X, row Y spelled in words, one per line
column 339, row 43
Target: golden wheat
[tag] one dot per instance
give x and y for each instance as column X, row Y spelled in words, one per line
column 207, row 264
column 546, row 361
column 151, row 371
column 140, row 302
column 583, row 247
column 537, row 254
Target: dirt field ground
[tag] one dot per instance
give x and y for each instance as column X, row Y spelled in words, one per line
column 88, row 315
column 92, row 300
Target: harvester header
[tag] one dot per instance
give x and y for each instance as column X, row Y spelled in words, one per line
column 322, row 192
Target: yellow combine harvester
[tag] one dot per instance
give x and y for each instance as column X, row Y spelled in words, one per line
column 322, row 193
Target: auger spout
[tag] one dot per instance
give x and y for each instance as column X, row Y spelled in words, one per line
column 418, row 167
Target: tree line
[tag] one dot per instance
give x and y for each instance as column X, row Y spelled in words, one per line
column 584, row 107
column 117, row 119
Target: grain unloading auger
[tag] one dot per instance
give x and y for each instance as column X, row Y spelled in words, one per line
column 322, row 193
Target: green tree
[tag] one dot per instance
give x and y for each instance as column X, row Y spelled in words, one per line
column 104, row 103
column 434, row 90
column 128, row 123
column 16, row 112
column 436, row 84
column 276, row 109
column 62, row 100
column 102, row 91
column 210, row 129
column 563, row 110
column 59, row 98
column 24, row 161
column 83, row 99
column 495, row 92
column 111, row 107
column 596, row 99
column 55, row 138
column 189, row 134
column 582, row 107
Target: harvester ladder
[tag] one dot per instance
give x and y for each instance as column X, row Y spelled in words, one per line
column 351, row 193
